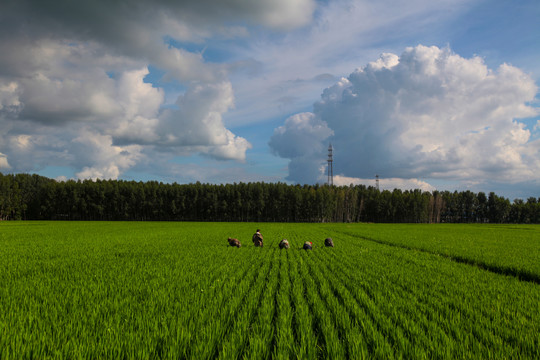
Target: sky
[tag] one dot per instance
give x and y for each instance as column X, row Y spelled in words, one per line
column 431, row 95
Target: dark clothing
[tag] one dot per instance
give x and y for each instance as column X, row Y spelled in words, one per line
column 257, row 239
column 329, row 242
column 307, row 246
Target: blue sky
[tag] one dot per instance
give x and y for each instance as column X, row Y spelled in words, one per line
column 427, row 94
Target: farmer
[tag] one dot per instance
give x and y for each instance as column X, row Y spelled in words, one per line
column 284, row 244
column 329, row 242
column 257, row 238
column 308, row 245
column 234, row 242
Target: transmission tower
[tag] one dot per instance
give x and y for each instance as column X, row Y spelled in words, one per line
column 330, row 169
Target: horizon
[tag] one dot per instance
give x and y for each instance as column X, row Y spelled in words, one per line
column 367, row 186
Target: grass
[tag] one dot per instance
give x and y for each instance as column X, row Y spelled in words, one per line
column 505, row 249
column 176, row 290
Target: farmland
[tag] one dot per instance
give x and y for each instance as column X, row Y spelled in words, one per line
column 176, row 290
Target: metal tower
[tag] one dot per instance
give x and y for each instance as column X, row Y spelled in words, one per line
column 330, row 169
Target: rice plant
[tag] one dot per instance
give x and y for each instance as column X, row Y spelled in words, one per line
column 178, row 290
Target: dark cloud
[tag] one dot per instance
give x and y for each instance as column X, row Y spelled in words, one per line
column 118, row 22
column 134, row 29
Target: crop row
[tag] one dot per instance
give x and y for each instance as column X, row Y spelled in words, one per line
column 176, row 290
column 505, row 249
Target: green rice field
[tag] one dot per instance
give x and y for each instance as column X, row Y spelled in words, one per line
column 174, row 290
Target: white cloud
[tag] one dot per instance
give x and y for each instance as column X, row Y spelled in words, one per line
column 429, row 113
column 73, row 70
column 198, row 120
column 198, row 125
column 343, row 34
column 300, row 136
column 46, row 115
column 301, row 139
column 384, row 183
column 106, row 160
column 72, row 80
column 234, row 149
column 139, row 104
column 10, row 104
column 4, row 162
column 61, row 178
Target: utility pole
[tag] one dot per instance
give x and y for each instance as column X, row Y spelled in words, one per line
column 330, row 169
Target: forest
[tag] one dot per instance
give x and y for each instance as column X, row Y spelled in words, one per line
column 34, row 197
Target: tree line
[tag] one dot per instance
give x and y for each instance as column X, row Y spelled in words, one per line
column 34, row 197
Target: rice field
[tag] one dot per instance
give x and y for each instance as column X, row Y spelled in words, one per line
column 87, row 290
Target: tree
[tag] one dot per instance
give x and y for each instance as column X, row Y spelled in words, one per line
column 25, row 196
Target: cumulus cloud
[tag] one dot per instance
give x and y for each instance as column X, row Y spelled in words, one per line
column 343, row 35
column 198, row 125
column 73, row 90
column 46, row 117
column 106, row 161
column 3, row 162
column 9, row 99
column 428, row 113
column 138, row 107
column 301, row 140
column 103, row 127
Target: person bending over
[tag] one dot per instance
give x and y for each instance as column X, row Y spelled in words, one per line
column 284, row 244
column 329, row 242
column 257, row 238
column 234, row 242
